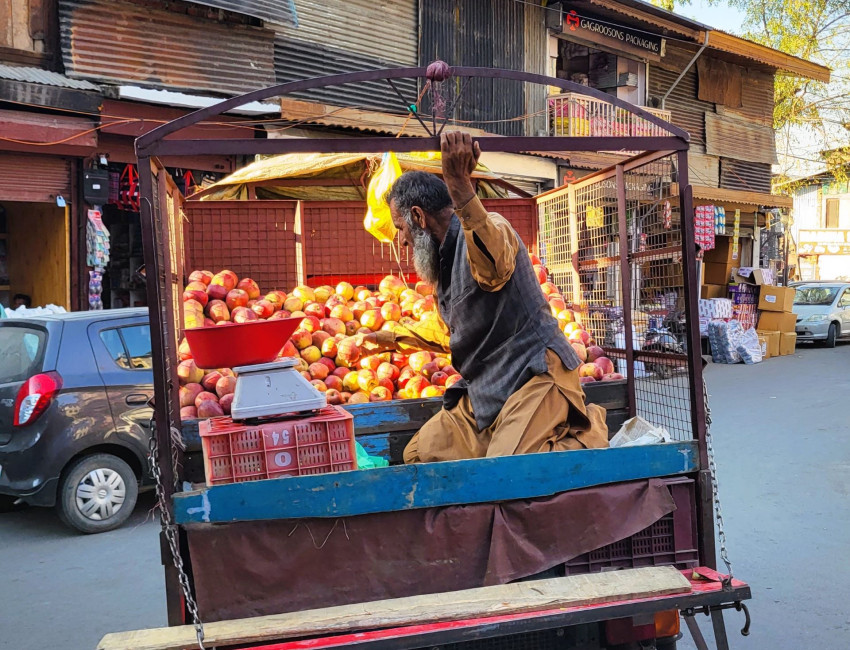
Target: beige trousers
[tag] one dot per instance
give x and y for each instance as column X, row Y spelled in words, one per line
column 547, row 414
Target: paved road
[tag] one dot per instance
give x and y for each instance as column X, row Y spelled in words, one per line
column 782, row 432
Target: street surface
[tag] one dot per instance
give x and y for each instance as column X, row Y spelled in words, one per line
column 782, row 436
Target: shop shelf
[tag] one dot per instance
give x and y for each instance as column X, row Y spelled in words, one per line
column 235, row 452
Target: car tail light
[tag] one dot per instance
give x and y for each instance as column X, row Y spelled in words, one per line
column 660, row 625
column 35, row 396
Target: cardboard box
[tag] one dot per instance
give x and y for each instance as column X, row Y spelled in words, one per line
column 709, row 291
column 776, row 298
column 787, row 343
column 717, row 273
column 721, row 253
column 774, row 321
column 749, row 275
column 773, row 340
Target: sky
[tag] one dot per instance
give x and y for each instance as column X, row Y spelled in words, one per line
column 720, row 16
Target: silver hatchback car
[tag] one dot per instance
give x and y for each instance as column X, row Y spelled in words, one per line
column 823, row 312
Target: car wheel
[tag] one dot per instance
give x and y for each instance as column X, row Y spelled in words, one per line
column 832, row 335
column 97, row 493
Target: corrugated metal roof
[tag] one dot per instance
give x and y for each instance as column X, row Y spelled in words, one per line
column 120, row 42
column 43, row 77
column 687, row 111
column 384, row 30
column 295, row 60
column 282, row 12
column 743, row 175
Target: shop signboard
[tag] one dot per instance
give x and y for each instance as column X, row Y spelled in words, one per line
column 586, row 27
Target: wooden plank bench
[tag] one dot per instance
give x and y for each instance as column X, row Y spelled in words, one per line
column 499, row 600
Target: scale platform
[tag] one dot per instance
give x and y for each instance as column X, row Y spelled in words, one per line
column 273, row 389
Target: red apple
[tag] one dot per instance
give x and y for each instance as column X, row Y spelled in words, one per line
column 388, row 371
column 361, row 293
column 351, row 327
column 216, row 292
column 422, row 306
column 274, row 299
column 359, row 397
column 367, row 379
column 311, row 324
column 302, row 339
column 243, row 315
column 210, row 408
column 433, row 391
column 333, row 326
column 586, row 380
column 605, row 364
column 318, row 370
column 319, row 385
column 205, row 395
column 372, row 319
column 372, row 362
column 419, row 359
column 320, row 337
column 392, row 284
column 315, row 309
column 580, row 336
column 345, row 290
column 205, row 277
column 210, row 380
column 405, row 375
column 549, row 289
column 225, row 386
column 263, row 308
column 341, row 372
column 329, row 348
column 293, row 304
column 590, row 370
column 348, row 351
column 614, row 376
column 188, row 393
column 334, row 382
column 535, row 261
column 236, row 298
column 250, row 287
column 350, row 383
column 189, row 373
column 226, row 279
column 540, row 272
column 226, row 402
column 581, row 351
column 323, row 293
column 557, row 304
column 380, row 394
column 289, row 350
column 218, row 311
column 424, row 288
column 311, row 354
column 391, row 311
column 342, row 312
column 183, row 350
column 188, row 412
column 415, row 386
column 429, row 369
column 333, row 396
column 594, row 352
column 452, row 380
column 439, row 378
column 305, row 293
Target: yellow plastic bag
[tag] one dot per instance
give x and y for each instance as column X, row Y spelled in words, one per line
column 378, row 221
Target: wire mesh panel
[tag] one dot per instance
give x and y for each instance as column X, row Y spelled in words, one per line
column 584, row 229
column 654, row 226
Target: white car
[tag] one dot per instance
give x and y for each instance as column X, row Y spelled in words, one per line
column 823, row 312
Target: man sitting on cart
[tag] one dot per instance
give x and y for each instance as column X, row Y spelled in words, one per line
column 520, row 392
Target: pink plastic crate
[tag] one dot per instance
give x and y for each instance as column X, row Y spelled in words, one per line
column 236, row 452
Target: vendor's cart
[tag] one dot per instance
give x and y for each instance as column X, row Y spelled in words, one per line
column 444, row 553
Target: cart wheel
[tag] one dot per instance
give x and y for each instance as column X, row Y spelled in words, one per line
column 97, row 493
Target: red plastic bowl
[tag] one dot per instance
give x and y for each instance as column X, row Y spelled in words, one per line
column 240, row 344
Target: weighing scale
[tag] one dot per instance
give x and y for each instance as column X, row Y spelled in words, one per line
column 267, row 390
column 265, row 387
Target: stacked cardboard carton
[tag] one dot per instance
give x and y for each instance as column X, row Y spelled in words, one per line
column 778, row 321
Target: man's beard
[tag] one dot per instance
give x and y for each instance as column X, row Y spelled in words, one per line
column 426, row 255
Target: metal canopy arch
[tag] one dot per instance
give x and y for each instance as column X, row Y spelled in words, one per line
column 160, row 225
column 155, row 144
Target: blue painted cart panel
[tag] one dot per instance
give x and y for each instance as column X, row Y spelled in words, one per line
column 427, row 485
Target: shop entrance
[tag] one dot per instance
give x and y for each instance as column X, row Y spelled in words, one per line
column 34, row 253
column 122, row 284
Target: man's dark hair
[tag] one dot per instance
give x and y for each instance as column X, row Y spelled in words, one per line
column 419, row 189
column 24, row 298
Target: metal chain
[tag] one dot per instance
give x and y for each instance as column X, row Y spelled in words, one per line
column 712, row 467
column 170, row 530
